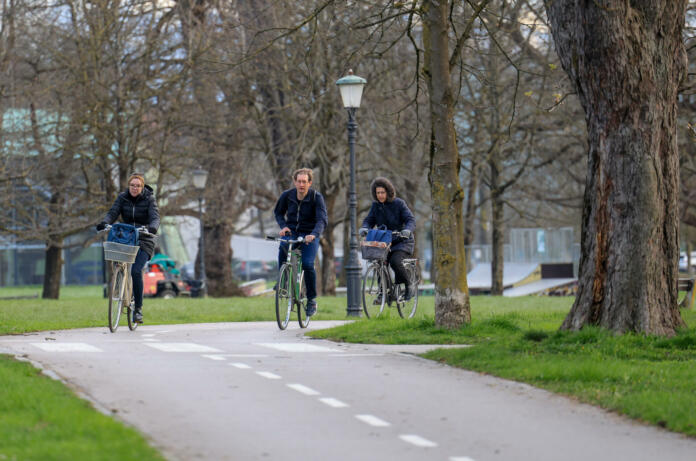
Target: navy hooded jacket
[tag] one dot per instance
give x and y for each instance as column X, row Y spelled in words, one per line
column 307, row 216
column 139, row 211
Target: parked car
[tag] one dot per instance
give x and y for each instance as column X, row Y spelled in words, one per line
column 683, row 261
column 250, row 270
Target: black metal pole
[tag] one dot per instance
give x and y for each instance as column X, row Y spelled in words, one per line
column 353, row 266
column 201, row 250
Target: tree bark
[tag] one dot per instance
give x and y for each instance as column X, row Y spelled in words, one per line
column 52, row 270
column 626, row 60
column 452, row 308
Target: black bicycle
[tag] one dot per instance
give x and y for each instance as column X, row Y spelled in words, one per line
column 291, row 293
column 378, row 287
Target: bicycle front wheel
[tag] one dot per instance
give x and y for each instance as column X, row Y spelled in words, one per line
column 132, row 324
column 407, row 307
column 374, row 291
column 302, row 303
column 117, row 290
column 283, row 297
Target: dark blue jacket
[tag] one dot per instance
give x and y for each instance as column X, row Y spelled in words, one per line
column 138, row 211
column 301, row 217
column 396, row 216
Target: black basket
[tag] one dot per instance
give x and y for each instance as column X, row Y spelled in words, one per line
column 374, row 252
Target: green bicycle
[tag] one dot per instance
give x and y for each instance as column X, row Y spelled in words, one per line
column 291, row 293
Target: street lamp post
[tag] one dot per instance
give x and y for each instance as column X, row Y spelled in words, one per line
column 351, row 87
column 200, row 177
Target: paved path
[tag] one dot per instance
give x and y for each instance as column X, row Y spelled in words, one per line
column 246, row 391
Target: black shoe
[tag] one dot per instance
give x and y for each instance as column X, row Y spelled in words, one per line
column 378, row 300
column 138, row 315
column 411, row 290
column 311, row 307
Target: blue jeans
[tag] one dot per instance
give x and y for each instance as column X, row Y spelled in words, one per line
column 309, row 253
column 137, row 273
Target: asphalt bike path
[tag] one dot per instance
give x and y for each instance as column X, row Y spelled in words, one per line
column 247, row 391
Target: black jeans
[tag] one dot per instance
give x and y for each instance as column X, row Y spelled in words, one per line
column 396, row 259
column 137, row 273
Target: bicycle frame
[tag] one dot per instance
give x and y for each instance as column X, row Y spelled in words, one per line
column 293, row 297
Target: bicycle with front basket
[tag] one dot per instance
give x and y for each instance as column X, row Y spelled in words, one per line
column 378, row 287
column 120, row 292
column 291, row 293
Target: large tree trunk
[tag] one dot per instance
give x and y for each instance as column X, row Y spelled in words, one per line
column 497, row 240
column 626, row 60
column 328, row 265
column 218, row 261
column 52, row 270
column 452, row 308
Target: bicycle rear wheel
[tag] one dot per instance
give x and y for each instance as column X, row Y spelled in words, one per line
column 283, row 297
column 117, row 290
column 374, row 291
column 302, row 303
column 407, row 308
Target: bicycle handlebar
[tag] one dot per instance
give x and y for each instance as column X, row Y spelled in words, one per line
column 141, row 229
column 280, row 239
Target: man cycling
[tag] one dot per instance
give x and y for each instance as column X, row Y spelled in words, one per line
column 301, row 212
column 392, row 212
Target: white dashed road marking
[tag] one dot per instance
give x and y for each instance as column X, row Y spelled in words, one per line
column 417, row 440
column 372, row 420
column 461, row 458
column 335, row 403
column 297, row 347
column 182, row 347
column 303, row 389
column 66, row 347
column 213, row 356
column 268, row 374
column 241, row 366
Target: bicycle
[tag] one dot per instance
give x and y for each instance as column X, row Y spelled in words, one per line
column 379, row 289
column 121, row 285
column 290, row 292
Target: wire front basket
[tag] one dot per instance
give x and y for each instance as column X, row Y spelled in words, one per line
column 374, row 250
column 120, row 253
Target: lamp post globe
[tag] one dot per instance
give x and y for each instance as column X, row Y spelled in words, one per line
column 351, row 88
column 200, row 177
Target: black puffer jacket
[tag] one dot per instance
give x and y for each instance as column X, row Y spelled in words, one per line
column 393, row 213
column 138, row 211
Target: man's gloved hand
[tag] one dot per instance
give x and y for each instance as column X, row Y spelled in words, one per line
column 101, row 226
column 152, row 230
column 406, row 233
column 363, row 231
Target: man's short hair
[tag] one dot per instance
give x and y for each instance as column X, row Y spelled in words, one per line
column 307, row 171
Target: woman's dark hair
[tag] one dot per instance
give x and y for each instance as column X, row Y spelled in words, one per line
column 386, row 184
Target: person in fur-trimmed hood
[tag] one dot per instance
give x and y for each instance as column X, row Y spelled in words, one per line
column 392, row 212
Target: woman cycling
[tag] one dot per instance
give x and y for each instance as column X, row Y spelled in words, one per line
column 393, row 213
column 139, row 208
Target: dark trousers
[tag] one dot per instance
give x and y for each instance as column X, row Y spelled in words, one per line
column 396, row 261
column 309, row 254
column 137, row 273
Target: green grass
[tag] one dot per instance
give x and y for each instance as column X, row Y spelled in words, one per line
column 644, row 377
column 80, row 307
column 41, row 419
